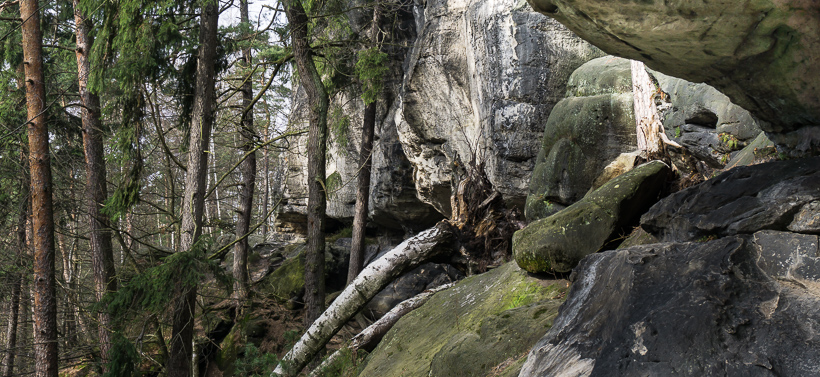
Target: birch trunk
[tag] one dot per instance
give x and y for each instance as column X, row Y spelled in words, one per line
column 375, row 332
column 371, row 280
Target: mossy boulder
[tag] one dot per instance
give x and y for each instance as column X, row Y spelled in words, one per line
column 584, row 133
column 484, row 325
column 559, row 242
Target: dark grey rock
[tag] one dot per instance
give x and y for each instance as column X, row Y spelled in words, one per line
column 685, row 309
column 421, row 278
column 742, row 200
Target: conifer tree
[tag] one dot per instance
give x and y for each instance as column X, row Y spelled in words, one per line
column 184, row 304
column 45, row 300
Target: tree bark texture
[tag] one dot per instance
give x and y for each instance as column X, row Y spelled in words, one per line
column 184, row 304
column 649, row 129
column 317, row 145
column 248, row 171
column 370, row 336
column 45, row 300
column 16, row 278
column 365, row 164
column 371, row 280
column 102, row 252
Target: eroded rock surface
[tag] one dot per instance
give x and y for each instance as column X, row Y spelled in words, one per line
column 779, row 195
column 734, row 306
column 483, row 77
column 584, row 133
column 763, row 54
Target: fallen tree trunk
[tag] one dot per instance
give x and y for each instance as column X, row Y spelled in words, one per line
column 374, row 333
column 371, row 280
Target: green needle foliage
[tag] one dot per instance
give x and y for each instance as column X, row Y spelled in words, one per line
column 371, row 68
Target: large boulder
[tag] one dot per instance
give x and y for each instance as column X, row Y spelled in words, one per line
column 482, row 325
column 483, row 76
column 764, row 54
column 780, row 195
column 736, row 306
column 584, row 132
column 709, row 126
column 559, row 242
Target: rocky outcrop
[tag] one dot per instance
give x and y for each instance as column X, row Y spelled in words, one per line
column 393, row 201
column 779, row 195
column 737, row 306
column 483, row 77
column 559, row 242
column 733, row 290
column 483, row 325
column 584, row 133
column 764, row 54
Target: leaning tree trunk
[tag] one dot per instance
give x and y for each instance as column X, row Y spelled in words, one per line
column 317, row 144
column 102, row 252
column 375, row 332
column 365, row 163
column 45, row 300
column 248, row 171
column 371, row 280
column 184, row 304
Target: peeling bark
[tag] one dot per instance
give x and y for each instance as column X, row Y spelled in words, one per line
column 649, row 129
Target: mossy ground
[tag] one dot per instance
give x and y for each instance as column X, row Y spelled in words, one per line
column 472, row 328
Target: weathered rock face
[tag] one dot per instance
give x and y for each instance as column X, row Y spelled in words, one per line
column 584, row 133
column 485, row 323
column 736, row 306
column 705, row 122
column 745, row 303
column 779, row 195
column 559, row 242
column 482, row 79
column 393, row 200
column 763, row 54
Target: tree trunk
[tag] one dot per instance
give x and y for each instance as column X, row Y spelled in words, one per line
column 184, row 304
column 317, row 144
column 102, row 251
column 375, row 332
column 374, row 277
column 649, row 129
column 248, row 171
column 16, row 278
column 45, row 300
